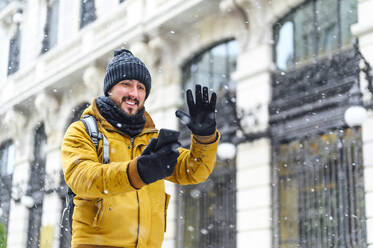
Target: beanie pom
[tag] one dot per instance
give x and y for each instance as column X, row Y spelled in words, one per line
column 119, row 52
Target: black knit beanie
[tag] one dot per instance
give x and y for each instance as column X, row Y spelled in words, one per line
column 124, row 65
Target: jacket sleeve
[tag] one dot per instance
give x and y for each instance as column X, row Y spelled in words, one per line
column 83, row 171
column 195, row 165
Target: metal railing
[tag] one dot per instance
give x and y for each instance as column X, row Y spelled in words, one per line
column 321, row 191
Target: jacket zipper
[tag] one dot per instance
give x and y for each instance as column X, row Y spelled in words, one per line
column 132, row 139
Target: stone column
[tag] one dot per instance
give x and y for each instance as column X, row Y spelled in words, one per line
column 48, row 106
column 253, row 86
column 15, row 123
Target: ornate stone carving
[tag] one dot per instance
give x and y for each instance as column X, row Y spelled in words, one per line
column 14, row 122
column 141, row 50
column 93, row 78
column 47, row 106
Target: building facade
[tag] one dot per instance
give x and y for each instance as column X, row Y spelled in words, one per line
column 285, row 72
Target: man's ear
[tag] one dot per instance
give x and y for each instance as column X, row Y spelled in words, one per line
column 109, row 93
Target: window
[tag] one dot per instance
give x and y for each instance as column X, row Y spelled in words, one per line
column 207, row 211
column 51, row 26
column 35, row 188
column 14, row 52
column 7, row 157
column 87, row 12
column 312, row 30
column 321, row 191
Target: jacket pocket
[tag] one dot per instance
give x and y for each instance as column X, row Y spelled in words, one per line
column 99, row 213
column 167, row 201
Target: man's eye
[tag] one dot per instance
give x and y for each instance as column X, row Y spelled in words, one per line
column 141, row 88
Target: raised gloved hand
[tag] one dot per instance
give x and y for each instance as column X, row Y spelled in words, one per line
column 201, row 118
column 154, row 165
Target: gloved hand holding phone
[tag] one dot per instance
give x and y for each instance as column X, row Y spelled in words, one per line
column 159, row 158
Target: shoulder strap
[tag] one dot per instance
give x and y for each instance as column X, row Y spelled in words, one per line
column 90, row 124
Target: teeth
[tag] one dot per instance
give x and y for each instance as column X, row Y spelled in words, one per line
column 131, row 103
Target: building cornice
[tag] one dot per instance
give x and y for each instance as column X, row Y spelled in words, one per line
column 65, row 64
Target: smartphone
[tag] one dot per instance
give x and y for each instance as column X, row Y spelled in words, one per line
column 166, row 136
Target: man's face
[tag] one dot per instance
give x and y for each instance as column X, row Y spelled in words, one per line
column 129, row 95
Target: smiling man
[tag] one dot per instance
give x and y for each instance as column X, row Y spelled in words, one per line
column 122, row 203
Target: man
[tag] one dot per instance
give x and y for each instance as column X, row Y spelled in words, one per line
column 123, row 203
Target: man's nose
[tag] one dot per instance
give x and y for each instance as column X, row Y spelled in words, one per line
column 133, row 92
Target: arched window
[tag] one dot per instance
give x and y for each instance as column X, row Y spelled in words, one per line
column 7, row 157
column 207, row 211
column 65, row 235
column 35, row 187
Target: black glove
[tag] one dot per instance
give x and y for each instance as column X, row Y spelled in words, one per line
column 166, row 136
column 201, row 120
column 154, row 165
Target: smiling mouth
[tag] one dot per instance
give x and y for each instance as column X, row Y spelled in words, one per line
column 131, row 102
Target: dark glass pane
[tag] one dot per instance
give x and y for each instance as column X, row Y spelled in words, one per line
column 304, row 32
column 50, row 27
column 348, row 17
column 220, row 66
column 87, row 12
column 7, row 157
column 3, row 160
column 284, row 46
column 327, row 21
column 14, row 52
column 53, row 23
column 203, row 75
column 232, row 54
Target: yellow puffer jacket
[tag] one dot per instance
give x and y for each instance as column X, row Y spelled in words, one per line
column 113, row 207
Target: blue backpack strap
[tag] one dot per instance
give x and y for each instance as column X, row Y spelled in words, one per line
column 90, row 124
column 106, row 150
